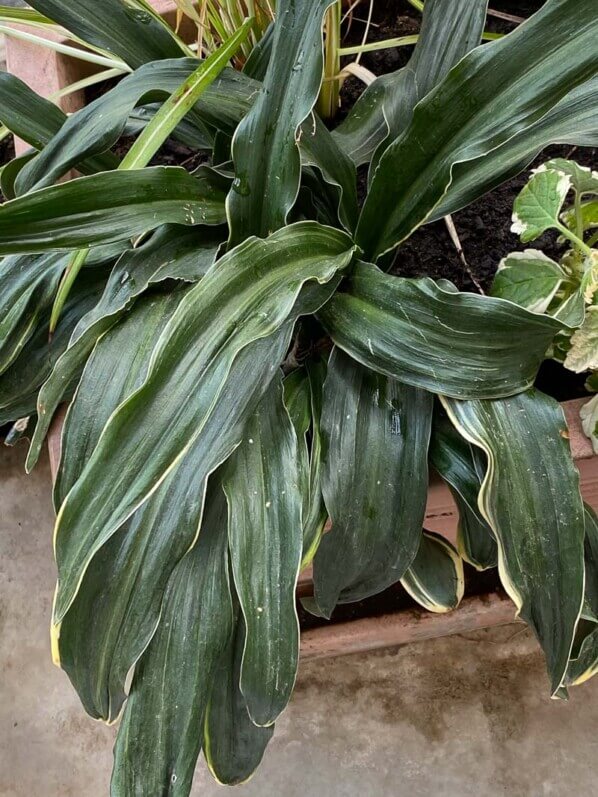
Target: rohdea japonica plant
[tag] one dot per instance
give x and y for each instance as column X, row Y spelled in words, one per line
column 239, row 365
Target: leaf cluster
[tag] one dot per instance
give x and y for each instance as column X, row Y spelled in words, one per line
column 240, row 368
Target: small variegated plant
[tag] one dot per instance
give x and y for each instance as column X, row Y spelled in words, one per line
column 240, row 364
column 567, row 289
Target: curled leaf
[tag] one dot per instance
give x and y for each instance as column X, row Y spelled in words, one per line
column 435, row 579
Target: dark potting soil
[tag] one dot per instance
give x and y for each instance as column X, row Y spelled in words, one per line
column 484, row 226
column 396, row 599
column 484, row 231
column 7, row 153
column 171, row 153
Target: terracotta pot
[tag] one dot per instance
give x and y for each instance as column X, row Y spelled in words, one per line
column 46, row 72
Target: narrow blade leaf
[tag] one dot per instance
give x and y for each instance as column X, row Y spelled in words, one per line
column 457, row 461
column 233, row 746
column 160, row 737
column 117, row 607
column 303, row 400
column 573, row 120
column 459, row 27
column 384, row 109
column 430, row 335
column 584, row 663
column 86, row 135
column 316, row 516
column 28, row 286
column 21, row 381
column 376, row 433
column 36, row 120
column 530, row 498
column 261, row 482
column 107, row 207
column 267, row 180
column 171, row 253
column 116, row 368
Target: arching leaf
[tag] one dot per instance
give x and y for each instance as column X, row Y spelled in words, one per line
column 160, row 735
column 375, row 477
column 385, row 107
column 267, row 178
column 21, row 381
column 530, row 498
column 107, row 207
column 173, row 252
column 584, row 660
column 117, row 607
column 430, row 335
column 28, row 286
column 573, row 120
column 116, row 368
column 233, row 746
column 116, row 26
column 261, row 482
column 251, row 293
column 458, row 462
column 36, row 120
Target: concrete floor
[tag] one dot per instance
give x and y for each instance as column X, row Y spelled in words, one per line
column 459, row 716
